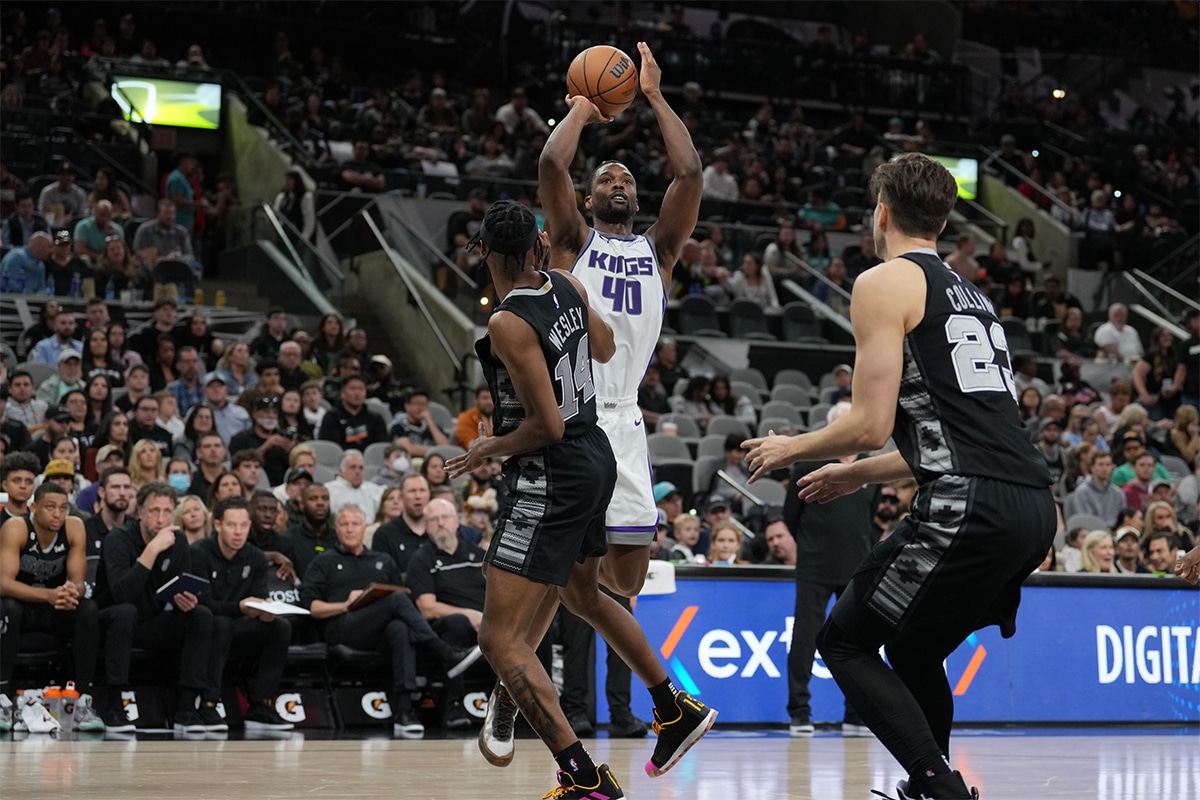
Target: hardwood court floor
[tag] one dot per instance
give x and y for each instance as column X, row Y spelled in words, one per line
column 730, row 765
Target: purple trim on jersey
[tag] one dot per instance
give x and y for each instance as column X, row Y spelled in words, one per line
column 586, row 245
column 632, row 528
column 666, row 284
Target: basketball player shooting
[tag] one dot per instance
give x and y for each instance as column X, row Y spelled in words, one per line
column 626, row 277
column 932, row 371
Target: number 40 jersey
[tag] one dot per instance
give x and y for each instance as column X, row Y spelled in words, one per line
column 625, row 286
column 957, row 408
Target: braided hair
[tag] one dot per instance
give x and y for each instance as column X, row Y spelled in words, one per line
column 509, row 229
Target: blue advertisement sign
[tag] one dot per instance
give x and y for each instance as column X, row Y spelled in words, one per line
column 1081, row 654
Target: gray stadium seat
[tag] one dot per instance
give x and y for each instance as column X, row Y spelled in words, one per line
column 711, row 445
column 703, row 471
column 1088, row 521
column 687, row 425
column 329, row 454
column 746, row 321
column 373, row 455
column 797, row 396
column 663, row 447
column 37, row 371
column 781, row 409
column 698, row 317
column 443, row 417
column 724, row 425
column 780, row 425
column 751, row 376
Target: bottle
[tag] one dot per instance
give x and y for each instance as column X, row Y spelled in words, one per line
column 109, row 289
column 21, row 282
column 219, row 300
column 76, row 284
column 198, row 297
column 70, row 696
column 4, row 281
column 52, row 699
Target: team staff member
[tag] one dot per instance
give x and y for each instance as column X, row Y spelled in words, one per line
column 445, row 578
column 112, row 500
column 277, row 547
column 136, row 560
column 403, row 536
column 43, row 564
column 391, row 624
column 314, row 535
column 932, row 371
column 238, row 574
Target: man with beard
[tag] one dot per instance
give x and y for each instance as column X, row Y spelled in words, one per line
column 466, row 429
column 887, row 511
column 278, row 548
column 445, row 577
column 315, row 535
column 401, row 537
column 112, row 499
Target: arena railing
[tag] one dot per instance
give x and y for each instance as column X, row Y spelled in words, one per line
column 288, row 235
column 819, row 276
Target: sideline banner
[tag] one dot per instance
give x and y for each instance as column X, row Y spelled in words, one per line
column 1082, row 653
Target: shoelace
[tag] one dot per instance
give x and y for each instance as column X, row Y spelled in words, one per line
column 658, row 725
column 506, row 715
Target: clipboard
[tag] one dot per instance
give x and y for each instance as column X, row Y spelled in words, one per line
column 373, row 592
column 183, row 582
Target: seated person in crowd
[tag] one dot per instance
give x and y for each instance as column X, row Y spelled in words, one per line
column 414, row 426
column 136, row 560
column 43, row 564
column 391, row 624
column 91, row 232
column 445, row 578
column 1129, row 551
column 1162, row 551
column 466, row 430
column 403, row 536
column 1132, row 446
column 26, row 266
column 48, row 350
column 264, row 438
column 266, row 536
column 351, row 488
column 247, row 466
column 314, row 535
column 350, row 423
column 237, row 576
column 69, row 378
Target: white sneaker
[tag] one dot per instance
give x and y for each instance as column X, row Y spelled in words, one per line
column 496, row 740
column 84, row 718
column 801, row 728
column 35, row 717
column 852, row 731
column 6, row 714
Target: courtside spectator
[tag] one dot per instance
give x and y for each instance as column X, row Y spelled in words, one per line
column 264, row 438
column 350, row 423
column 314, row 535
column 414, row 427
column 350, row 488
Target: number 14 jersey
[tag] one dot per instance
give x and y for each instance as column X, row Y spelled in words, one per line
column 624, row 284
column 957, row 409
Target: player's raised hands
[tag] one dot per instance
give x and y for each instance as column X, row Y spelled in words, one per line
column 828, row 483
column 767, row 454
column 649, row 74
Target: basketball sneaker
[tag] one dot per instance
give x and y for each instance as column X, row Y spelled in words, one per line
column 32, row 716
column 605, row 787
column 947, row 786
column 211, row 715
column 496, row 737
column 117, row 721
column 406, row 725
column 264, row 717
column 801, row 728
column 6, row 714
column 678, row 729
column 84, row 718
column 189, row 721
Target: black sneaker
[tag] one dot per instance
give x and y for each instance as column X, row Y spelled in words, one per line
column 117, row 721
column 406, row 725
column 456, row 717
column 263, row 717
column 678, row 728
column 213, row 721
column 188, row 720
column 460, row 658
column 947, row 786
column 801, row 728
column 581, row 725
column 627, row 726
column 605, row 786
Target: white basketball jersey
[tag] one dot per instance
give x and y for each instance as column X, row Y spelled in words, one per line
column 623, row 282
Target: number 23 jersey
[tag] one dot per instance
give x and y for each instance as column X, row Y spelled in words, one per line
column 624, row 284
column 957, row 409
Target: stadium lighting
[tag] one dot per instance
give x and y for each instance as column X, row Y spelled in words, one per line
column 1059, row 94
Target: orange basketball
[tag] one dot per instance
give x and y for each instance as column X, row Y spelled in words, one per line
column 604, row 75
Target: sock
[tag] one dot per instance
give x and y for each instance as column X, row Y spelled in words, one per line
column 576, row 761
column 931, row 767
column 663, row 694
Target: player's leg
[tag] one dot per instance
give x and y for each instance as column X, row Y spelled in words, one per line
column 623, row 568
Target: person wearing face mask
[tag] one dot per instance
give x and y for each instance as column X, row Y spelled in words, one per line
column 263, row 437
column 396, row 464
column 179, row 475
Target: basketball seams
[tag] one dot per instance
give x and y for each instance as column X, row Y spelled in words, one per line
column 619, row 91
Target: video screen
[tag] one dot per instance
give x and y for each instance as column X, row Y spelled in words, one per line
column 181, row 104
column 965, row 172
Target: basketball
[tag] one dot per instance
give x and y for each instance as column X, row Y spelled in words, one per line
column 604, row 75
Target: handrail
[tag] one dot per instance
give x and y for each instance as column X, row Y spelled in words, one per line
column 1163, row 287
column 287, row 241
column 334, row 233
column 1160, row 321
column 992, row 218
column 1135, row 283
column 420, row 237
column 992, row 159
column 330, row 268
column 818, row 306
column 816, row 273
column 412, row 292
column 1054, row 126
column 297, row 147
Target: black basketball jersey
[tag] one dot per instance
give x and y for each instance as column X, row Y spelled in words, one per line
column 957, row 410
column 44, row 568
column 560, row 317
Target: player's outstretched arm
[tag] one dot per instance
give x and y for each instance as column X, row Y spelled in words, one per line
column 837, row 480
column 567, row 228
column 681, row 203
column 888, row 301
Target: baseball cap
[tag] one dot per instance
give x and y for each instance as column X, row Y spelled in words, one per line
column 1132, row 436
column 62, row 237
column 107, row 451
column 69, row 353
column 663, row 490
column 478, row 194
column 1160, row 482
column 438, row 92
column 379, row 358
column 1047, row 422
column 58, row 414
column 297, row 474
column 59, row 466
column 899, row 123
column 215, row 377
column 1128, row 530
column 165, row 301
column 841, row 367
column 715, row 502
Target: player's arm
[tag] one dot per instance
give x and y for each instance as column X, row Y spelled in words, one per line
column 837, row 480
column 516, row 344
column 600, row 335
column 567, row 228
column 888, row 301
column 12, row 536
column 681, row 203
column 77, row 553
